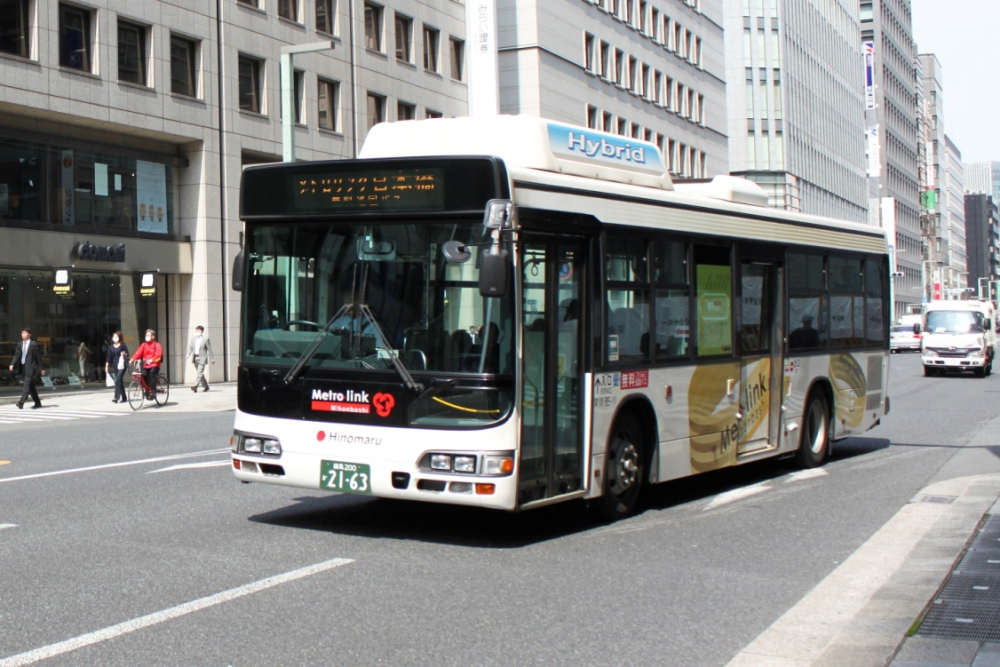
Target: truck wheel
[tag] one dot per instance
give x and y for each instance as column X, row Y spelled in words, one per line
column 928, row 371
column 624, row 468
column 814, row 443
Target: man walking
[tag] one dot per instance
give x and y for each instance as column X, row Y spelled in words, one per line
column 28, row 359
column 200, row 353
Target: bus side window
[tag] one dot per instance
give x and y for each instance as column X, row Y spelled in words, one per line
column 672, row 305
column 714, row 299
column 807, row 301
column 627, row 275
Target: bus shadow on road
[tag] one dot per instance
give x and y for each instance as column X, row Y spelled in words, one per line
column 425, row 522
column 360, row 516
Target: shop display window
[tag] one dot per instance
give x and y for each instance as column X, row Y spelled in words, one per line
column 53, row 185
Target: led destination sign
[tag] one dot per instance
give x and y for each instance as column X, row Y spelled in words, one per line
column 376, row 190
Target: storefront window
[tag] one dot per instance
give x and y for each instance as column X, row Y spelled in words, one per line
column 63, row 186
column 74, row 329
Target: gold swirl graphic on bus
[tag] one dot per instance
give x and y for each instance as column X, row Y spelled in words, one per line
column 848, row 388
column 712, row 416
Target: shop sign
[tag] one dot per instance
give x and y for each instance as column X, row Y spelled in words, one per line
column 148, row 285
column 101, row 253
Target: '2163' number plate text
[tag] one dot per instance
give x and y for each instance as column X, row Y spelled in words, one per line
column 345, row 477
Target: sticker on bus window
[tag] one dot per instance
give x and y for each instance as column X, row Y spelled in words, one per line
column 613, row 347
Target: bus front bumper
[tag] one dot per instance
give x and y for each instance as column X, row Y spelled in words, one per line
column 388, row 480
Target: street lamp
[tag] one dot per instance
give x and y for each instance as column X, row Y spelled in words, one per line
column 288, row 94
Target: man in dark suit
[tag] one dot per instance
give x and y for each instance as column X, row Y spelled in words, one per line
column 28, row 359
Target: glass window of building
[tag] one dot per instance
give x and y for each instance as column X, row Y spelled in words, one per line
column 74, row 38
column 404, row 38
column 50, row 184
column 298, row 94
column 327, row 93
column 14, row 27
column 131, row 53
column 405, row 111
column 252, row 3
column 183, row 80
column 249, row 73
column 325, row 16
column 288, row 9
column 373, row 26
column 376, row 109
column 431, row 49
column 457, row 59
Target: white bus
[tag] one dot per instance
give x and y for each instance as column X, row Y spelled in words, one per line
column 511, row 312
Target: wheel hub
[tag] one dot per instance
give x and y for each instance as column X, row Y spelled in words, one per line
column 626, row 470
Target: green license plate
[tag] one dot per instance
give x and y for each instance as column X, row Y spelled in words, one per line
column 345, row 477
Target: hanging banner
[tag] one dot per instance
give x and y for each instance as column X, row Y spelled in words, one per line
column 874, row 153
column 481, row 55
column 151, row 191
column 67, row 185
column 869, row 50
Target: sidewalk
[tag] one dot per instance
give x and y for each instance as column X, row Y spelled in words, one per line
column 866, row 610
column 221, row 397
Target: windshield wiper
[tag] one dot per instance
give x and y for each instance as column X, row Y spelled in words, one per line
column 363, row 308
column 296, row 369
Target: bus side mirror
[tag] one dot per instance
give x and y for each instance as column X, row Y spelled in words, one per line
column 238, row 271
column 494, row 274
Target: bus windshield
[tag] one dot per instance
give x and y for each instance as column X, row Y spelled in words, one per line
column 954, row 321
column 428, row 312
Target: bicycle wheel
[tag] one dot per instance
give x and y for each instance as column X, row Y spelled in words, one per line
column 162, row 392
column 135, row 395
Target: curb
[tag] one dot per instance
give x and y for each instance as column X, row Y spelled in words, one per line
column 859, row 615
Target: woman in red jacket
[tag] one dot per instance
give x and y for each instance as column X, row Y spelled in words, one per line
column 150, row 355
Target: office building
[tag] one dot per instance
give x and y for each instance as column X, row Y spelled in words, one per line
column 796, row 121
column 983, row 177
column 890, row 74
column 123, row 131
column 650, row 69
column 982, row 238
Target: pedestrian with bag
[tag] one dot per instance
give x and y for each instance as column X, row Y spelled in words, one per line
column 28, row 359
column 149, row 356
column 200, row 353
column 117, row 364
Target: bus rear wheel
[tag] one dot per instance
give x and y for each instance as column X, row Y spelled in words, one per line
column 814, row 443
column 624, row 468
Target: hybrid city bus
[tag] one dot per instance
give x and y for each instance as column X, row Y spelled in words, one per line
column 510, row 312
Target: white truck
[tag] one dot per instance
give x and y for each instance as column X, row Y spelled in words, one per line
column 959, row 336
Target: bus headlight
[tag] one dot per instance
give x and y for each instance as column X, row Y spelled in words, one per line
column 498, row 465
column 256, row 444
column 977, row 353
column 465, row 464
column 440, row 462
column 927, row 352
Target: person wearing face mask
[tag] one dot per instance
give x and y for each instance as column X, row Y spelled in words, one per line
column 117, row 363
column 150, row 355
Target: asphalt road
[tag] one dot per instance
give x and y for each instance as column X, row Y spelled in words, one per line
column 708, row 564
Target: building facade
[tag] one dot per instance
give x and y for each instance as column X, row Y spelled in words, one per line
column 124, row 128
column 796, row 122
column 983, row 177
column 982, row 238
column 650, row 69
column 891, row 119
column 954, row 275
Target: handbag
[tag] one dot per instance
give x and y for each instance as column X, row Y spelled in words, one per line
column 121, row 363
column 109, row 380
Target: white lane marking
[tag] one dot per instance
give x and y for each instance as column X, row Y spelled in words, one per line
column 737, row 494
column 7, row 525
column 52, row 650
column 157, row 459
column 187, row 466
column 806, row 474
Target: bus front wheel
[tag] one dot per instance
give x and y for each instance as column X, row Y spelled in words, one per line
column 624, row 467
column 815, row 439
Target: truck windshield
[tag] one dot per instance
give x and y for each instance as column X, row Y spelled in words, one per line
column 300, row 276
column 954, row 321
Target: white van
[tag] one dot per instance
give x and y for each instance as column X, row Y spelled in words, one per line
column 959, row 336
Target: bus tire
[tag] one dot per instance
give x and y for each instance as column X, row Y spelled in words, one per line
column 624, row 467
column 814, row 441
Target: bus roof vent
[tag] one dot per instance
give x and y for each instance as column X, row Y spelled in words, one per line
column 727, row 188
column 525, row 142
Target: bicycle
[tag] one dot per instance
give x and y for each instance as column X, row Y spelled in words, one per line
column 139, row 390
